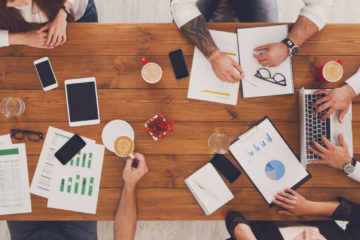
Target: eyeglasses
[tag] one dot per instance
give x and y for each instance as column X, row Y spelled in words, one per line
column 31, row 135
column 265, row 74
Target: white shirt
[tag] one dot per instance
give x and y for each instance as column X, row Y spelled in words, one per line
column 317, row 11
column 354, row 82
column 33, row 14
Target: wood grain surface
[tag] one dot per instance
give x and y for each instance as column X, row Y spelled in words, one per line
column 112, row 53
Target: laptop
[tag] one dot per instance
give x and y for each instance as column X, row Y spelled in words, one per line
column 312, row 128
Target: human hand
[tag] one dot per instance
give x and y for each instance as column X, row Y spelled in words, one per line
column 226, row 68
column 292, row 202
column 34, row 39
column 338, row 99
column 56, row 30
column 132, row 175
column 333, row 156
column 275, row 54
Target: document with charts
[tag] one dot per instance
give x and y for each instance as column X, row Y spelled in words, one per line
column 55, row 139
column 268, row 160
column 263, row 81
column 204, row 84
column 76, row 185
column 14, row 179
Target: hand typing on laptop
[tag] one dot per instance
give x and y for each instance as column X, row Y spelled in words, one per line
column 331, row 155
column 338, row 99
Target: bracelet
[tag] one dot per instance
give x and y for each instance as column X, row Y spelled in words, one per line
column 66, row 10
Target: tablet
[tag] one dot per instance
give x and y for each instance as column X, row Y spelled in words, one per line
column 82, row 102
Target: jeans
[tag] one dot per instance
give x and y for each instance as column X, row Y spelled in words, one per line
column 245, row 10
column 72, row 230
column 90, row 14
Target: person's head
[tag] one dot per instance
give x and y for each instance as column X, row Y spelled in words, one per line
column 17, row 3
column 12, row 20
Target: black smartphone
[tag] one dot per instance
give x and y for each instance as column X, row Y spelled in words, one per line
column 225, row 167
column 178, row 63
column 70, row 149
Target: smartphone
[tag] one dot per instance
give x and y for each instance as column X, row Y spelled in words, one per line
column 70, row 149
column 178, row 63
column 46, row 74
column 225, row 167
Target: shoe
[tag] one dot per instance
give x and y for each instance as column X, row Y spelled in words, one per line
column 232, row 219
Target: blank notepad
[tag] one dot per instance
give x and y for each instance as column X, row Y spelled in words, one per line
column 263, row 81
column 209, row 189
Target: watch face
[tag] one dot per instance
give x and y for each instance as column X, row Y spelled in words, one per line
column 349, row 168
column 294, row 51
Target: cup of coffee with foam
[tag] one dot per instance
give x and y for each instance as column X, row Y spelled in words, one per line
column 151, row 72
column 124, row 147
column 331, row 72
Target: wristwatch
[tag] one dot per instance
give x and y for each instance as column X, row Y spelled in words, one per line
column 293, row 48
column 68, row 12
column 350, row 167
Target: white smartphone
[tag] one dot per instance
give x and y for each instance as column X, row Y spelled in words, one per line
column 82, row 102
column 45, row 73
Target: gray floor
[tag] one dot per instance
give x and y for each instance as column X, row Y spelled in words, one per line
column 159, row 11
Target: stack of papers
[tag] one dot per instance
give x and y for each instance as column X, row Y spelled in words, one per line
column 74, row 186
column 209, row 189
column 14, row 179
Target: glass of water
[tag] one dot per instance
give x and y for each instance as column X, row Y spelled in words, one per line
column 12, row 107
column 219, row 143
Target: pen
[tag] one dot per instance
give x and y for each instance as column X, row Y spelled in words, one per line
column 202, row 187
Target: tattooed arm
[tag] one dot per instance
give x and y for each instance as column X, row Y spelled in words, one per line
column 224, row 66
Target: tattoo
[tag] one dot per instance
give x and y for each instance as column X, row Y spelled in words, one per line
column 197, row 32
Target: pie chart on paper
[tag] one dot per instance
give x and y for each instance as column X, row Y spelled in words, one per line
column 275, row 170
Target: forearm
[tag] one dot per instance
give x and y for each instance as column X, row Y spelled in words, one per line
column 302, row 30
column 322, row 208
column 197, row 32
column 16, row 38
column 125, row 219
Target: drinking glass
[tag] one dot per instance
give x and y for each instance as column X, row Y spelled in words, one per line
column 219, row 143
column 12, row 107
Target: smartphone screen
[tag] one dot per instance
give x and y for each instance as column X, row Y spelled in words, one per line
column 70, row 149
column 45, row 73
column 225, row 167
column 178, row 63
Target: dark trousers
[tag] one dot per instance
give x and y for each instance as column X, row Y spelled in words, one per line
column 90, row 14
column 245, row 10
column 71, row 230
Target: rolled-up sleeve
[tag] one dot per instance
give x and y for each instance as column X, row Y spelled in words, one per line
column 317, row 11
column 184, row 11
column 4, row 38
column 354, row 82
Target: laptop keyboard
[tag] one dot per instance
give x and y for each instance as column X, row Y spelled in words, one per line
column 315, row 128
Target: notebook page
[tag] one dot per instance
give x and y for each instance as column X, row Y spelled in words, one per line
column 253, row 86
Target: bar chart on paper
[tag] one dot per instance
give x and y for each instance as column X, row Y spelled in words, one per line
column 82, row 159
column 77, row 185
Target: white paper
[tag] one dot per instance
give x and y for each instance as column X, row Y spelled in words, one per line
column 55, row 139
column 5, row 139
column 14, row 180
column 250, row 38
column 267, row 160
column 75, row 186
column 204, row 84
column 216, row 193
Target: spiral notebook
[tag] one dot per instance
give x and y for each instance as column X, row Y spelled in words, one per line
column 209, row 189
column 263, row 81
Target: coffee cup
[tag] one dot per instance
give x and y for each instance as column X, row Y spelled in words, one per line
column 331, row 72
column 124, row 147
column 151, row 72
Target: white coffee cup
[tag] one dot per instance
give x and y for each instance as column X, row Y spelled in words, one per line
column 151, row 72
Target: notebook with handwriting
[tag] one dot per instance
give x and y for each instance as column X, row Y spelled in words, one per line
column 208, row 188
column 263, row 81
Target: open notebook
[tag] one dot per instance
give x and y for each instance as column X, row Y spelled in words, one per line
column 263, row 81
column 208, row 189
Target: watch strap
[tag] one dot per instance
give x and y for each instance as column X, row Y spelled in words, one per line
column 353, row 162
column 68, row 12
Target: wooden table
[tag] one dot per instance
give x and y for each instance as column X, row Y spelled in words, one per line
column 112, row 53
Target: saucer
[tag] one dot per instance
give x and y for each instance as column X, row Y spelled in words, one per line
column 115, row 129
